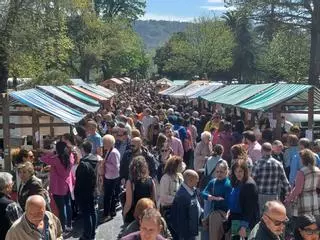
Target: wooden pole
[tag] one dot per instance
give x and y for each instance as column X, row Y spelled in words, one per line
column 6, row 130
column 278, row 124
column 35, row 129
column 310, row 110
column 51, row 127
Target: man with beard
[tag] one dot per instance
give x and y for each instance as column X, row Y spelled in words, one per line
column 136, row 150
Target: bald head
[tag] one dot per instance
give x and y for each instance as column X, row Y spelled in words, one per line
column 275, row 217
column 266, row 149
column 191, row 178
column 35, row 209
column 136, row 144
column 35, row 200
column 274, row 207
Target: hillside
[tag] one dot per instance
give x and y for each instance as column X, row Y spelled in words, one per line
column 155, row 33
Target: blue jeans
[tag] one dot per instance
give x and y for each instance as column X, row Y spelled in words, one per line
column 90, row 216
column 65, row 212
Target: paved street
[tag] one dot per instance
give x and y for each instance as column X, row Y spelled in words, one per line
column 106, row 231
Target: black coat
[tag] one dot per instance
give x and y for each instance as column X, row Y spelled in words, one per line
column 86, row 178
column 5, row 223
column 127, row 158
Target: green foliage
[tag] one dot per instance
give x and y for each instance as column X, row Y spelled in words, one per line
column 204, row 49
column 287, row 56
column 124, row 9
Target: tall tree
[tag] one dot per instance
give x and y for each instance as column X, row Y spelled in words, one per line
column 302, row 13
column 243, row 54
column 125, row 9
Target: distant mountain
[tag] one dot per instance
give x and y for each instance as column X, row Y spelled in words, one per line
column 156, row 33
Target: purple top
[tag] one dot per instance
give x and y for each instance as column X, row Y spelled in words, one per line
column 60, row 177
column 112, row 165
column 136, row 236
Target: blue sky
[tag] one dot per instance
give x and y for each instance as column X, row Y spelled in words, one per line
column 182, row 10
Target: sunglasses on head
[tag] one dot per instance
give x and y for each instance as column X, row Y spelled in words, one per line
column 277, row 222
column 311, row 231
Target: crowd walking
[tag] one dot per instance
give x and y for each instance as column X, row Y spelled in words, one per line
column 174, row 170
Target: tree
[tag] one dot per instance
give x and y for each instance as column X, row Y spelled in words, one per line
column 287, row 57
column 204, row 49
column 304, row 14
column 243, row 54
column 125, row 9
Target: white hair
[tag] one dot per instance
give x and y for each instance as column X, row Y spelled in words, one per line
column 110, row 139
column 5, row 180
column 205, row 134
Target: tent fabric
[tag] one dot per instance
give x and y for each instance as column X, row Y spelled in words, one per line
column 79, row 95
column 273, row 95
column 112, row 80
column 104, row 89
column 164, row 81
column 37, row 99
column 94, row 89
column 240, row 93
column 222, row 93
column 90, row 93
column 205, row 90
column 70, row 100
column 180, row 82
column 188, row 90
column 170, row 90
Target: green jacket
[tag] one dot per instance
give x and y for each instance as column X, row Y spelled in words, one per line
column 261, row 232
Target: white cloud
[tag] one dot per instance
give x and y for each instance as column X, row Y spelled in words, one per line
column 217, row 8
column 215, row 1
column 158, row 17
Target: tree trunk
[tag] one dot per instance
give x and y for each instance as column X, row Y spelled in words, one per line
column 314, row 69
column 4, row 69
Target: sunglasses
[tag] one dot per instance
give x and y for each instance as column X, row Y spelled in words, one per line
column 278, row 223
column 31, row 156
column 311, row 231
column 164, row 150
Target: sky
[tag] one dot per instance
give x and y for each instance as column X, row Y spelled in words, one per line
column 182, row 10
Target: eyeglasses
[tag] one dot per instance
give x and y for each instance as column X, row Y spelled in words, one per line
column 277, row 222
column 311, row 231
column 31, row 156
column 120, row 135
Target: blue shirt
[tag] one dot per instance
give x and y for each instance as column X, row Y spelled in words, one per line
column 96, row 141
column 218, row 188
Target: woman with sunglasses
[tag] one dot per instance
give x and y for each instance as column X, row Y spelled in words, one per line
column 306, row 228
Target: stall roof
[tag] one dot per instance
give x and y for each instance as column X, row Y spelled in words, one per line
column 222, row 93
column 90, row 93
column 206, row 90
column 180, row 82
column 37, row 99
column 171, row 90
column 114, row 80
column 274, row 95
column 164, row 81
column 79, row 95
column 188, row 90
column 125, row 79
column 57, row 93
column 240, row 93
column 94, row 89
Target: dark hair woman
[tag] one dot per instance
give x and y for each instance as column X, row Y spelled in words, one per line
column 243, row 200
column 140, row 185
column 306, row 228
column 61, row 181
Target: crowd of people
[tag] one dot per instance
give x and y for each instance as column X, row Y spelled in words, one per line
column 176, row 171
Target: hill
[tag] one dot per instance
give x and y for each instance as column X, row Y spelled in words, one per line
column 155, row 33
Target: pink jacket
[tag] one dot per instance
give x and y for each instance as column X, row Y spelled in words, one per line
column 60, row 177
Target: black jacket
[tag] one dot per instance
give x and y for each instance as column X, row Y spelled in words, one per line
column 127, row 158
column 4, row 220
column 86, row 178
